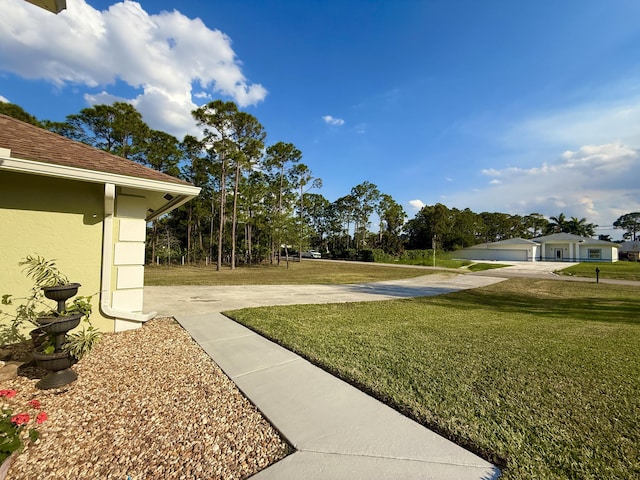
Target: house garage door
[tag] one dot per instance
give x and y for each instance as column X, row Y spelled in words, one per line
column 493, row 254
column 509, row 255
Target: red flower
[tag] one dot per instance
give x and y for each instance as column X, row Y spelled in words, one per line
column 34, row 403
column 7, row 393
column 20, row 419
column 42, row 416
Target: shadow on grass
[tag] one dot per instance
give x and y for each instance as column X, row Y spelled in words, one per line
column 399, row 291
column 588, row 309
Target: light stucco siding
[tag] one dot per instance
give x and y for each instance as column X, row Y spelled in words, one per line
column 57, row 219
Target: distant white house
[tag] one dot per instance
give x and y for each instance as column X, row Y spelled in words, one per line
column 513, row 250
column 558, row 247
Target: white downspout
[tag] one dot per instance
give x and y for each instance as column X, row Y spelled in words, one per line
column 107, row 262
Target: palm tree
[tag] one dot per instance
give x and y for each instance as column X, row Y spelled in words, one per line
column 557, row 224
column 581, row 227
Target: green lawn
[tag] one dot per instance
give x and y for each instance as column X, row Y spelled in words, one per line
column 298, row 273
column 540, row 376
column 622, row 270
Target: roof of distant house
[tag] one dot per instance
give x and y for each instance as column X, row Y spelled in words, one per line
column 630, row 246
column 569, row 237
column 29, row 142
column 501, row 243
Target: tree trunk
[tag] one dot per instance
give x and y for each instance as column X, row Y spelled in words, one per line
column 223, row 200
column 189, row 220
column 234, row 217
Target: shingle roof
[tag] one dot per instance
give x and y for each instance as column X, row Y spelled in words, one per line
column 29, row 142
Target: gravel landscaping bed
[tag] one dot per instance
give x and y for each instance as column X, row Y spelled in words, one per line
column 148, row 404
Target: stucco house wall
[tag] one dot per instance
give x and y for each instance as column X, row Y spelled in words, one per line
column 85, row 208
column 565, row 247
column 560, row 247
column 57, row 219
column 514, row 250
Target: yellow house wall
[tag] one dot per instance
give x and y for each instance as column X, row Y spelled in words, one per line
column 57, row 219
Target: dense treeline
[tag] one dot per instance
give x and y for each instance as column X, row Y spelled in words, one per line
column 256, row 201
column 451, row 229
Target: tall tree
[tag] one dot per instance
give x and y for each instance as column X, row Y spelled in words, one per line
column 345, row 212
column 392, row 217
column 630, row 223
column 19, row 113
column 557, row 224
column 216, row 120
column 580, row 227
column 117, row 128
column 193, row 170
column 317, row 210
column 535, row 225
column 161, row 152
column 366, row 196
column 278, row 161
column 249, row 136
column 301, row 177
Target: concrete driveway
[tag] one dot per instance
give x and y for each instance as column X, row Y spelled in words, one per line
column 194, row 300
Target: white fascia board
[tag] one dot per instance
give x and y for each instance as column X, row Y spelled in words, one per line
column 73, row 173
column 167, row 207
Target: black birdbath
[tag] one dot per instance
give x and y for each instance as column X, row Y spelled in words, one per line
column 58, row 362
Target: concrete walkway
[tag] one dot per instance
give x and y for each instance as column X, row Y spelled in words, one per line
column 338, row 432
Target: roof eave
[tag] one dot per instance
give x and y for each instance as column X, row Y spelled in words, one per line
column 54, row 6
column 94, row 176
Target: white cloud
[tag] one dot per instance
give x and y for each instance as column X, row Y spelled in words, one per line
column 163, row 56
column 328, row 119
column 597, row 182
column 611, row 114
column 4, row 100
column 417, row 204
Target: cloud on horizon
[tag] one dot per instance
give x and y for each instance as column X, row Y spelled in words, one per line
column 596, row 182
column 84, row 46
column 608, row 113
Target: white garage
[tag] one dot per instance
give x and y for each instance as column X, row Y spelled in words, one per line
column 512, row 250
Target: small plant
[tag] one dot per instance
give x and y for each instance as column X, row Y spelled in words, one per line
column 34, row 309
column 78, row 344
column 18, row 429
column 43, row 272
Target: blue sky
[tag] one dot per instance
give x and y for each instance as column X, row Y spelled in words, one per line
column 494, row 105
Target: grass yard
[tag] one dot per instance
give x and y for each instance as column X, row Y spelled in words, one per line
column 621, row 270
column 481, row 267
column 298, row 273
column 542, row 377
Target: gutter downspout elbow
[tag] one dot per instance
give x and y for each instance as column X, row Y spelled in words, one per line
column 107, row 262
